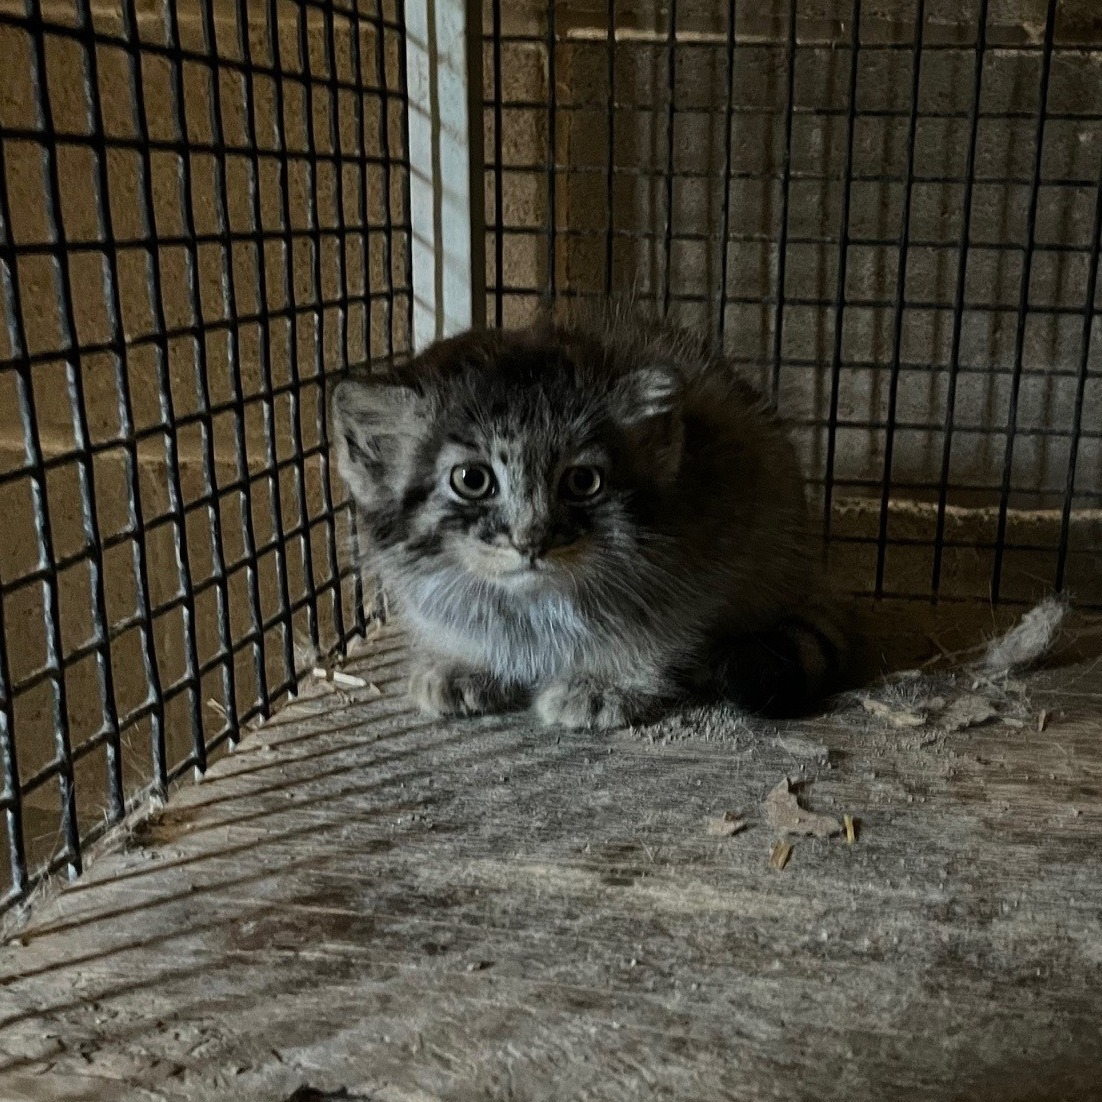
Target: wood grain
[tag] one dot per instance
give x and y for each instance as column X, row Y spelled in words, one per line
column 358, row 899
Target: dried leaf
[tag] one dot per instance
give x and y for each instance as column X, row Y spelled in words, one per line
column 726, row 825
column 897, row 717
column 782, row 851
column 784, row 813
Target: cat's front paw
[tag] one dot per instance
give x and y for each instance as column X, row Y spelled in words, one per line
column 447, row 690
column 585, row 704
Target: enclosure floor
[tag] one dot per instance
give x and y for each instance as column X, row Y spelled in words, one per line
column 360, row 900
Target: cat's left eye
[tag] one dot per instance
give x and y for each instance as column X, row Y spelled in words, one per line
column 582, row 483
column 473, row 481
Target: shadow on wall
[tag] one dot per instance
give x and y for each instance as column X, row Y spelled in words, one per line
column 653, row 135
column 670, row 209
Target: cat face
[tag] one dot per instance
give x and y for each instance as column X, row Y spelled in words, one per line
column 525, row 463
column 518, row 504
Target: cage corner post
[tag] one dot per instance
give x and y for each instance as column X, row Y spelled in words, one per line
column 444, row 78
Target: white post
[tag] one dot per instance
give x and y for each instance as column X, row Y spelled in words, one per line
column 444, row 80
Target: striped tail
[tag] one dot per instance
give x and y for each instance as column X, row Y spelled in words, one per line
column 784, row 670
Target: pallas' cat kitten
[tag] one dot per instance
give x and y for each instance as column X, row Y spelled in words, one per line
column 589, row 521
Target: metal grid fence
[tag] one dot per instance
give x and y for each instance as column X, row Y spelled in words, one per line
column 891, row 216
column 203, row 212
column 890, row 213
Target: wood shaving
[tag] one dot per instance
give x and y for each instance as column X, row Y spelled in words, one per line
column 782, row 851
column 934, row 704
column 218, row 707
column 802, row 748
column 341, row 681
column 784, row 813
column 896, row 716
column 851, row 829
column 967, row 711
column 726, row 825
column 1042, row 721
column 348, row 680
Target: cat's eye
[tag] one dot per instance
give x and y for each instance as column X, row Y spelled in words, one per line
column 582, row 483
column 473, row 481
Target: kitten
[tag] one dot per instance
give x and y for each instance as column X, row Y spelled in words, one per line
column 593, row 521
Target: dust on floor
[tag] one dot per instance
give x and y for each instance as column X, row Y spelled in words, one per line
column 359, row 903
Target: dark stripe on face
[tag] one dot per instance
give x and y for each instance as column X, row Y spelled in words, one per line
column 489, row 527
column 387, row 527
column 462, row 441
column 362, row 457
column 429, row 544
column 391, row 524
column 415, row 497
column 462, row 518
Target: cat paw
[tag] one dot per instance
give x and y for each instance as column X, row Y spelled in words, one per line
column 445, row 690
column 583, row 704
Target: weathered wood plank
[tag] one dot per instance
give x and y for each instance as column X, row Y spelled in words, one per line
column 358, row 898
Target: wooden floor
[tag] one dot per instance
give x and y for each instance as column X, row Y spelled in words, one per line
column 359, row 901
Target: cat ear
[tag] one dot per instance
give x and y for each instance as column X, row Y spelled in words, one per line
column 647, row 403
column 373, row 418
column 646, row 392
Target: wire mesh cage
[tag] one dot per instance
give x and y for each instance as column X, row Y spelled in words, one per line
column 203, row 214
column 889, row 215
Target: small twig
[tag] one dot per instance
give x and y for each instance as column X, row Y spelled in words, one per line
column 782, row 851
column 338, row 678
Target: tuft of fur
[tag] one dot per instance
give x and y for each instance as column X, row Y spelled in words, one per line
column 692, row 568
column 1029, row 640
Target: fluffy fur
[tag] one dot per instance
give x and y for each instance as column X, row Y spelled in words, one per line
column 690, row 569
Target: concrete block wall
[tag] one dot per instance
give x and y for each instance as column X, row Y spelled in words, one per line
column 655, row 131
column 220, row 216
column 290, row 252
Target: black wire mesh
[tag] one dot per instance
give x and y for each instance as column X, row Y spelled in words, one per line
column 889, row 214
column 203, row 213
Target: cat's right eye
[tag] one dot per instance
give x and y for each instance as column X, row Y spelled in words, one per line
column 473, row 481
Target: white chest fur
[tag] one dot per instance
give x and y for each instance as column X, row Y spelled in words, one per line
column 522, row 638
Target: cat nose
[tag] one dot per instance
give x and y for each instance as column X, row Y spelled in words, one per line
column 531, row 545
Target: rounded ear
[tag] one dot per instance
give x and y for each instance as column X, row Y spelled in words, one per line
column 373, row 418
column 376, row 418
column 367, row 410
column 647, row 404
column 651, row 390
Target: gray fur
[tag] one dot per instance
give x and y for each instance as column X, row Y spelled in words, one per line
column 700, row 530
